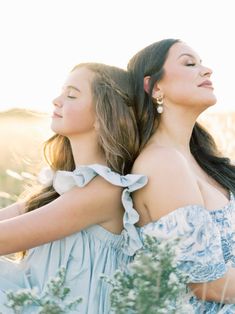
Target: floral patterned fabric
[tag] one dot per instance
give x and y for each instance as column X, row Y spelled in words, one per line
column 206, row 246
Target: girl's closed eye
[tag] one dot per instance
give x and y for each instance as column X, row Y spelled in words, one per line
column 71, row 93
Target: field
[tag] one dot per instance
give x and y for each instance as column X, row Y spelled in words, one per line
column 23, row 132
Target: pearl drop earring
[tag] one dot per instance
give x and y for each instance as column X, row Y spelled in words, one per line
column 160, row 104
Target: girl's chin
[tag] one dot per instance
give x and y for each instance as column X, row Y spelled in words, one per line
column 55, row 129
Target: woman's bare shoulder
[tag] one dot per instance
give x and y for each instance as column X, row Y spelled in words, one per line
column 156, row 157
column 171, row 183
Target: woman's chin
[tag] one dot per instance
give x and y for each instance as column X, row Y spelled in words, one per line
column 210, row 102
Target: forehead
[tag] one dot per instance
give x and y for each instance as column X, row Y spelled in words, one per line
column 181, row 49
column 80, row 78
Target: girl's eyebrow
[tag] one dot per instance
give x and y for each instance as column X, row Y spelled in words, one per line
column 189, row 55
column 72, row 87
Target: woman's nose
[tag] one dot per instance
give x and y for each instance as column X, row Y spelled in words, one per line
column 205, row 71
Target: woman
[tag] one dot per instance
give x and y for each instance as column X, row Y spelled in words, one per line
column 191, row 186
column 76, row 221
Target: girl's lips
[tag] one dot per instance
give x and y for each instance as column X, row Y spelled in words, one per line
column 56, row 115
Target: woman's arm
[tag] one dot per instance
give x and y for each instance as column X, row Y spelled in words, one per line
column 220, row 290
column 98, row 202
column 171, row 185
column 11, row 211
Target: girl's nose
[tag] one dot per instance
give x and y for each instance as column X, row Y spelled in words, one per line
column 57, row 102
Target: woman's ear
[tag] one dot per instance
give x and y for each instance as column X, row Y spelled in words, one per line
column 156, row 92
column 146, row 84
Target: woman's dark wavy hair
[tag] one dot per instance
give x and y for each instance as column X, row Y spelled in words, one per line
column 150, row 62
column 112, row 93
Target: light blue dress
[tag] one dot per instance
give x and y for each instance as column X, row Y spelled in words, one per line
column 206, row 246
column 85, row 255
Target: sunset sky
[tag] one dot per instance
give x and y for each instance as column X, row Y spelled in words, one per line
column 41, row 40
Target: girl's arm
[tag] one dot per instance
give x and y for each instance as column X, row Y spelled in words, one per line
column 171, row 185
column 96, row 203
column 11, row 211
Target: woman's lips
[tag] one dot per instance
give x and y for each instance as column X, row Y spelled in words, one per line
column 206, row 84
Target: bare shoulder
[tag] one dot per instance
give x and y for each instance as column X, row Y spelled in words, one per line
column 98, row 192
column 160, row 162
column 171, row 183
column 156, row 157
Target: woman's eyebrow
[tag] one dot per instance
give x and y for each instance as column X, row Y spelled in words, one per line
column 189, row 55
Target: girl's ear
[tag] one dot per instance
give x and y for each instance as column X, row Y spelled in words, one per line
column 146, row 84
column 96, row 125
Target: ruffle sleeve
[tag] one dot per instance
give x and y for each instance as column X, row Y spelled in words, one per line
column 63, row 181
column 199, row 250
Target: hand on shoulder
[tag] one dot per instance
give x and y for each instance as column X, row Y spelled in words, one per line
column 171, row 183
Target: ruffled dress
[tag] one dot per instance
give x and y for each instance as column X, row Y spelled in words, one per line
column 206, row 246
column 85, row 255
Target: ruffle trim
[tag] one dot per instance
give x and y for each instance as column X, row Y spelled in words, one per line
column 63, row 181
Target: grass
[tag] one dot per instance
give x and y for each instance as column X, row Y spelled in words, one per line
column 22, row 134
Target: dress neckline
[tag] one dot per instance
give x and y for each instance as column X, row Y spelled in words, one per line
column 220, row 210
column 227, row 205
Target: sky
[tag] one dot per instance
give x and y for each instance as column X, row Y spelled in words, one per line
column 41, row 41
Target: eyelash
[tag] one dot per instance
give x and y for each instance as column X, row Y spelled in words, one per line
column 71, row 97
column 190, row 64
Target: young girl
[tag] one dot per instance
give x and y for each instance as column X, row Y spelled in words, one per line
column 77, row 220
column 190, row 192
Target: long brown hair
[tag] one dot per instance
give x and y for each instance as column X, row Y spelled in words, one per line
column 118, row 134
column 150, row 62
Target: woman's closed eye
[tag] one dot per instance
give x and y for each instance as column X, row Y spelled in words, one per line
column 190, row 64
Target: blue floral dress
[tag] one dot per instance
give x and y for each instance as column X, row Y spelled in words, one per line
column 206, row 246
column 85, row 255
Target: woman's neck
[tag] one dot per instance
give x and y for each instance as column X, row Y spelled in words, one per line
column 175, row 130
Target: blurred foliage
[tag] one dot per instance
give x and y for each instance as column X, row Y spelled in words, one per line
column 54, row 300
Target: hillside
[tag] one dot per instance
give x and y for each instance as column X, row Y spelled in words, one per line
column 22, row 113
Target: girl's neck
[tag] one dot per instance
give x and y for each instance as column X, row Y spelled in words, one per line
column 86, row 151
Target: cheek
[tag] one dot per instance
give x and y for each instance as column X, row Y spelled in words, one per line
column 79, row 119
column 188, row 94
column 177, row 91
column 178, row 87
